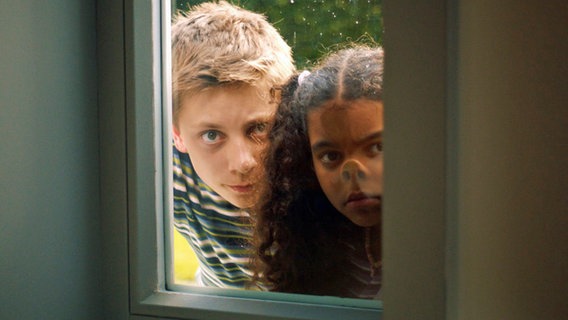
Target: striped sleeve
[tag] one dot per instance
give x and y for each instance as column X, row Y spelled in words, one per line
column 218, row 232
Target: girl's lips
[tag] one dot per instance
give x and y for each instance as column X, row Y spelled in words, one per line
column 355, row 196
column 359, row 199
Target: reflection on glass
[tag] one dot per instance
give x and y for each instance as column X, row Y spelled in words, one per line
column 311, row 29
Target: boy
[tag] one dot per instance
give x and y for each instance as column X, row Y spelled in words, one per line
column 225, row 62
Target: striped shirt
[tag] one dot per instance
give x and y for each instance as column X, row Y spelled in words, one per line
column 218, row 232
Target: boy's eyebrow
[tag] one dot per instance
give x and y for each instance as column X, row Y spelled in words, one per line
column 265, row 117
column 209, row 125
column 327, row 144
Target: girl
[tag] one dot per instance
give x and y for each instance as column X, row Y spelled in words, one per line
column 318, row 225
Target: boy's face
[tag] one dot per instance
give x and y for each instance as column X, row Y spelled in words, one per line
column 346, row 143
column 224, row 130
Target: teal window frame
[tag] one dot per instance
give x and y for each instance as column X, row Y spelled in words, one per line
column 418, row 264
column 150, row 230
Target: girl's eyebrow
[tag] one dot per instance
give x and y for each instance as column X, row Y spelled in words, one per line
column 322, row 144
column 372, row 136
column 327, row 144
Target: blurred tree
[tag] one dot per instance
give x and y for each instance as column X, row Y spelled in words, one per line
column 313, row 28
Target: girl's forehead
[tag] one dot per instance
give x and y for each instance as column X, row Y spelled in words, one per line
column 348, row 112
column 346, row 121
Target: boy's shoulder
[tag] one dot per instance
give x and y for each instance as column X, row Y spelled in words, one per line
column 191, row 191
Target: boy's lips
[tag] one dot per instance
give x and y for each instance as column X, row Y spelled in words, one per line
column 241, row 188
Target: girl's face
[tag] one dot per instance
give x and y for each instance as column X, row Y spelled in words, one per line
column 346, row 143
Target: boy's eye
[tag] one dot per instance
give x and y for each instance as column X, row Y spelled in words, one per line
column 258, row 131
column 259, row 128
column 211, row 136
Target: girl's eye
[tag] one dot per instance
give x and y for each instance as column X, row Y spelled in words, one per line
column 376, row 148
column 330, row 157
column 211, row 136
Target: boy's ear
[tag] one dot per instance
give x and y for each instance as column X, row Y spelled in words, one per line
column 178, row 142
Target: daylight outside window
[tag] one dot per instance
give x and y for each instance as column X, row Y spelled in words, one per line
column 312, row 29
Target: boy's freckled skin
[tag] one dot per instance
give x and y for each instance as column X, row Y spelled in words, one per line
column 226, row 141
column 225, row 61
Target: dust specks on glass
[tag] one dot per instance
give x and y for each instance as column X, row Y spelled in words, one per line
column 312, row 29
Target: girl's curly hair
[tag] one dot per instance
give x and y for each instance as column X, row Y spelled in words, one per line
column 298, row 231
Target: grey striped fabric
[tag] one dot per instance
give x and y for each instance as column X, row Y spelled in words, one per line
column 217, row 231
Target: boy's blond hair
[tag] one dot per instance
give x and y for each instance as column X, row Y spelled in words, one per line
column 217, row 44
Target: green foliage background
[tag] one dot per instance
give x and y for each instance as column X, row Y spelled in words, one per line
column 313, row 28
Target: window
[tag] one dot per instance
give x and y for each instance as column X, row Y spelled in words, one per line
column 311, row 29
column 305, row 49
column 132, row 212
column 152, row 197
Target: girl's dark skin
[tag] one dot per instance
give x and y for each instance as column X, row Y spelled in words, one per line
column 303, row 243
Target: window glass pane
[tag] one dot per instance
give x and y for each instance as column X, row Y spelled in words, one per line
column 312, row 29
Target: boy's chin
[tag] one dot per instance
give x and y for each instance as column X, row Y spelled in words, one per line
column 242, row 202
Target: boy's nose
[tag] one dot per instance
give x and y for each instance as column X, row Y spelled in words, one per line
column 242, row 158
column 352, row 170
column 246, row 165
